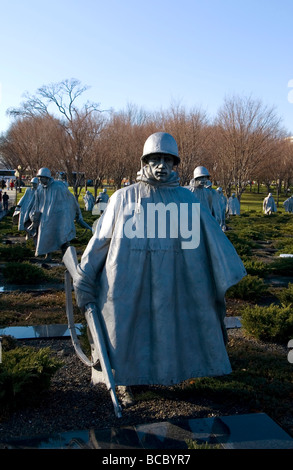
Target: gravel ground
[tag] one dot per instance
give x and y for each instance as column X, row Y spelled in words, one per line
column 72, row 403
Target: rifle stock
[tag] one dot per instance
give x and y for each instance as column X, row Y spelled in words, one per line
column 92, row 319
column 70, row 260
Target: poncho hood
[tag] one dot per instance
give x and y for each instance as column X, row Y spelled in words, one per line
column 145, row 176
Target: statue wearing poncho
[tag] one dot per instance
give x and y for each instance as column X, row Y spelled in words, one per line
column 201, row 186
column 89, row 201
column 288, row 204
column 53, row 214
column 161, row 304
column 269, row 204
column 24, row 206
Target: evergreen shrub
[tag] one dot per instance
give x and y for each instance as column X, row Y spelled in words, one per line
column 23, row 273
column 273, row 323
column 286, row 295
column 282, row 266
column 249, row 288
column 15, row 253
column 25, row 373
column 255, row 267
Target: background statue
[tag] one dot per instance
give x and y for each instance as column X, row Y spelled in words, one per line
column 89, row 201
column 53, row 214
column 161, row 301
column 102, row 200
column 223, row 207
column 269, row 205
column 233, row 206
column 216, row 207
column 201, row 186
column 21, row 215
column 288, row 204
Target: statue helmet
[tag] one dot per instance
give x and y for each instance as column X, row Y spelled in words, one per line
column 44, row 172
column 161, row 142
column 200, row 171
column 219, row 189
column 35, row 180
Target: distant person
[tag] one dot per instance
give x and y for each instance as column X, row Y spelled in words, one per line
column 269, row 205
column 5, row 198
column 288, row 204
column 233, row 206
column 11, row 185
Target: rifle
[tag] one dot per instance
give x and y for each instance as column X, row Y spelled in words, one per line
column 91, row 315
column 82, row 223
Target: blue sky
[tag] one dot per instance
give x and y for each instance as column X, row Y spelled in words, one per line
column 150, row 54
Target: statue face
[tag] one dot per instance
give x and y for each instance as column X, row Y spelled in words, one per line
column 44, row 181
column 161, row 166
column 201, row 181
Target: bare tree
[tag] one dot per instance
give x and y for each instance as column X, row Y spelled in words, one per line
column 76, row 123
column 31, row 142
column 190, row 131
column 117, row 145
column 123, row 139
column 89, row 144
column 288, row 160
column 247, row 131
column 277, row 170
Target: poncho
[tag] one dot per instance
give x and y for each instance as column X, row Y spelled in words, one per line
column 269, row 205
column 89, row 201
column 161, row 305
column 233, row 206
column 288, row 204
column 208, row 197
column 223, row 207
column 25, row 204
column 56, row 208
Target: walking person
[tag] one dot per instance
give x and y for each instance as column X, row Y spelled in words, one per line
column 5, row 201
